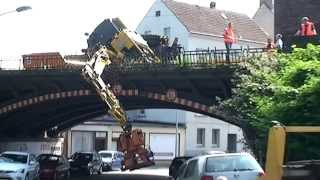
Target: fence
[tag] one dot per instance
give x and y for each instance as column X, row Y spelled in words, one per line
column 180, row 59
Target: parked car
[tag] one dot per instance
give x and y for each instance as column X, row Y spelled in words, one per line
column 112, row 160
column 234, row 166
column 53, row 167
column 87, row 162
column 175, row 165
column 18, row 166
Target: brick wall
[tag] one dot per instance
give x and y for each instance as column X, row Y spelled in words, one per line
column 289, row 12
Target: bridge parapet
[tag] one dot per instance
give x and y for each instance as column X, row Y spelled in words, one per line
column 199, row 58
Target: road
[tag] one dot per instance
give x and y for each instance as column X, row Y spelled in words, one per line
column 153, row 173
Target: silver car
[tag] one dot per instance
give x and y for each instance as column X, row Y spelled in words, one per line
column 18, row 166
column 233, row 166
column 112, row 160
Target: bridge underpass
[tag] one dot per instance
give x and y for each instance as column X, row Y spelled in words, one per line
column 35, row 101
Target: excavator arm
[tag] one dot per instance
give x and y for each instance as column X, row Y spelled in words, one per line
column 129, row 45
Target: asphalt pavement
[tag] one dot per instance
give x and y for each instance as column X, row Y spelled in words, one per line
column 158, row 172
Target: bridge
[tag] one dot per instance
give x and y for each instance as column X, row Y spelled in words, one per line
column 57, row 98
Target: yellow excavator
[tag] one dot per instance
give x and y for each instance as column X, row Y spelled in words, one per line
column 112, row 42
column 298, row 170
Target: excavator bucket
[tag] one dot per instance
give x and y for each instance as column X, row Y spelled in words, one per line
column 135, row 155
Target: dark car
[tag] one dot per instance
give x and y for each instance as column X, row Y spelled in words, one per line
column 86, row 162
column 175, row 165
column 53, row 167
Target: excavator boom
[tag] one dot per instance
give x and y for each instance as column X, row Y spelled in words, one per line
column 124, row 43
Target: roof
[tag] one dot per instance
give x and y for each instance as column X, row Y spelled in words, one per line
column 208, row 21
column 43, row 54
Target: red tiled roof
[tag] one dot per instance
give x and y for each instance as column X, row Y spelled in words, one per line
column 209, row 21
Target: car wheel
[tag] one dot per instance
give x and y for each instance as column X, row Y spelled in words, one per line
column 67, row 175
column 90, row 171
column 100, row 170
column 55, row 176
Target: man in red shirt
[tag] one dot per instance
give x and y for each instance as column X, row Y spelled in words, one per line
column 229, row 39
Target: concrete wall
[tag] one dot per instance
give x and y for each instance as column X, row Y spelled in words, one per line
column 156, row 25
column 288, row 14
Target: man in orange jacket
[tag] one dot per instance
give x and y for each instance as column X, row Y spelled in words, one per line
column 307, row 28
column 229, row 39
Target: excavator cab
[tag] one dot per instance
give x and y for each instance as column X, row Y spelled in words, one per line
column 126, row 45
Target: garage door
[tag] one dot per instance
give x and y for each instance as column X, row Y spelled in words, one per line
column 82, row 141
column 163, row 146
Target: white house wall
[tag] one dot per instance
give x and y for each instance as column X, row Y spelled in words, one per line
column 197, row 41
column 195, row 121
column 158, row 115
column 167, row 19
column 114, row 131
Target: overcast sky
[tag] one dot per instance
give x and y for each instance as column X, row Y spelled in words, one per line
column 59, row 25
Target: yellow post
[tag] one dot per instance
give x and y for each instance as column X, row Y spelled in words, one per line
column 275, row 153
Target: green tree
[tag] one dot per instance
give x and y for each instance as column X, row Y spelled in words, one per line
column 284, row 88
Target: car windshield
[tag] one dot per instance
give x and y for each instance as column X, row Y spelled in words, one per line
column 82, row 157
column 48, row 159
column 231, row 163
column 106, row 155
column 16, row 157
column 5, row 160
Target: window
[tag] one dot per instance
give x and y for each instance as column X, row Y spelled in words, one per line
column 166, row 31
column 216, row 137
column 200, row 136
column 158, row 13
column 192, row 169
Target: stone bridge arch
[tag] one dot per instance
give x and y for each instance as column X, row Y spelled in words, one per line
column 61, row 110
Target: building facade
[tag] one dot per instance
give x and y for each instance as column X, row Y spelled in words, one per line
column 203, row 133
column 199, row 27
column 197, row 133
column 102, row 134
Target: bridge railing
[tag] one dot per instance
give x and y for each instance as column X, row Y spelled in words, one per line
column 183, row 58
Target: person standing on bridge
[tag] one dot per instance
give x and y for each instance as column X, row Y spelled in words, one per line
column 307, row 28
column 229, row 39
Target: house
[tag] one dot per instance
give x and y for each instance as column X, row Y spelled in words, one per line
column 202, row 133
column 199, row 27
column 264, row 16
column 102, row 133
column 196, row 133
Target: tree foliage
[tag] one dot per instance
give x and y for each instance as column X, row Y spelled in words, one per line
column 284, row 88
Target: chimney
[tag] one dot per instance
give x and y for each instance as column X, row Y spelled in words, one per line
column 212, row 5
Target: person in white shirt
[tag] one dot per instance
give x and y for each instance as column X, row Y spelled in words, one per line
column 279, row 42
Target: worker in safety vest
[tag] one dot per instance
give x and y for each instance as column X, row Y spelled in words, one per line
column 229, row 39
column 307, row 28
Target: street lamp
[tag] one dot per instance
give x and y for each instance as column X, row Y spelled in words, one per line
column 19, row 9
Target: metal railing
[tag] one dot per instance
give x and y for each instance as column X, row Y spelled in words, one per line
column 180, row 59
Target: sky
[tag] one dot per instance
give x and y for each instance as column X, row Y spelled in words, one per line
column 60, row 25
